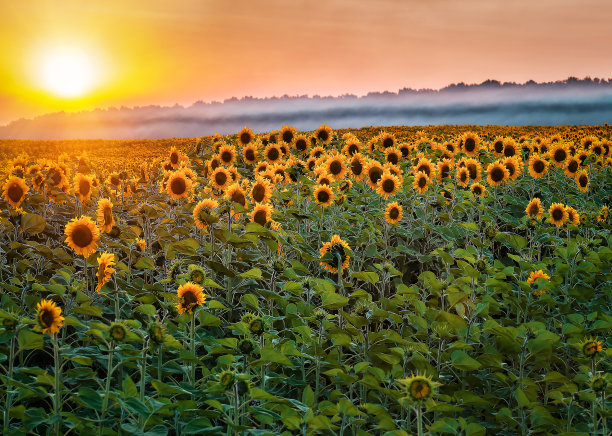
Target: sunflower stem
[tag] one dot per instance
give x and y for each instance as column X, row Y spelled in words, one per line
column 160, row 358
column 7, row 403
column 57, row 401
column 192, row 347
column 109, row 375
column 143, row 372
column 419, row 413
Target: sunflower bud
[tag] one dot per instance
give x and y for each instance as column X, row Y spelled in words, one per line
column 599, row 383
column 156, row 332
column 117, row 332
column 256, row 326
column 227, row 378
column 246, row 346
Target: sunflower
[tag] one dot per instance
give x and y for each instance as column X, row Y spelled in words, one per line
column 37, row 180
column 393, row 155
column 179, row 186
column 202, row 213
column 558, row 214
column 537, row 275
column 49, row 316
column 424, row 165
column 444, row 168
column 227, row 155
column 117, row 332
column 474, row 168
column 387, row 140
column 418, row 388
column 317, row 152
column 497, row 174
column 279, row 173
column 582, row 181
column 236, row 194
column 393, row 213
column 602, row 216
column 421, row 182
column 287, row 134
column 510, row 148
column 463, row 176
column 590, row 347
column 558, row 155
column 537, row 166
column 261, row 214
column 388, row 185
column 478, row 190
column 245, row 136
column 261, row 191
column 470, row 144
column 272, row 153
column 572, row 215
column 357, row 166
column 323, row 195
column 336, row 247
column 141, row 244
column 324, row 179
column 104, row 215
column 514, row 166
column 352, row 147
column 249, row 154
column 190, row 295
column 301, row 144
column 324, row 134
column 336, row 168
column 82, row 236
column 174, row 158
column 105, row 261
column 220, row 178
column 15, row 190
column 374, row 171
column 82, row 187
column 498, row 146
column 534, row 208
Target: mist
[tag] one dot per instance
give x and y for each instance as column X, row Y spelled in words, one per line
column 573, row 101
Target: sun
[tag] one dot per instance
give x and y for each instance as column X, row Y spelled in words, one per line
column 67, row 72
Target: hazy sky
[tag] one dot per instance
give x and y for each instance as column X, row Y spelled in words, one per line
column 180, row 51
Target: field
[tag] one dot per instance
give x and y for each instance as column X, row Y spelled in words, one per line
column 383, row 280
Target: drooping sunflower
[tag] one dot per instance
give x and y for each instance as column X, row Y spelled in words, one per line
column 572, row 215
column 227, row 155
column 323, row 195
column 418, row 388
column 245, row 136
column 202, row 212
column 179, row 186
column 497, row 174
column 287, row 134
column 141, row 244
column 537, row 275
column 190, row 296
column 534, row 208
column 572, row 165
column 393, row 213
column 236, row 194
column 324, row 134
column 421, row 182
column 558, row 214
column 335, row 167
column 558, row 155
column 104, row 215
column 537, row 166
column 463, row 176
column 15, row 190
column 602, row 216
column 261, row 213
column 49, row 316
column 105, row 261
column 272, row 153
column 82, row 236
column 373, row 171
column 357, row 166
column 582, row 181
column 220, row 178
column 82, row 185
column 388, row 185
column 336, row 247
column 478, row 190
column 514, row 166
column 470, row 144
column 301, row 144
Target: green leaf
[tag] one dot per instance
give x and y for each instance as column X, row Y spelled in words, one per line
column 367, row 276
column 147, row 309
column 186, row 246
column 254, row 273
column 514, row 241
column 250, row 301
column 461, row 360
column 88, row 310
column 270, row 355
column 145, row 263
column 333, row 301
column 27, row 339
column 129, row 387
column 32, row 223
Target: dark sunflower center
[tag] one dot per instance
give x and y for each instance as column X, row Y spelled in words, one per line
column 477, row 190
column 189, row 298
column 388, row 185
column 15, row 192
column 46, row 318
column 463, row 176
column 583, row 180
column 509, row 151
column 227, row 156
column 497, row 174
column 108, row 216
column 511, row 169
column 323, row 135
column 449, row 147
column 560, row 155
column 352, row 149
column 84, row 187
column 394, row 213
column 444, row 170
column 573, row 166
column 220, row 178
column 301, row 145
column 534, row 210
column 419, row 389
column 424, row 169
column 273, row 154
column 473, row 170
column 375, row 174
column 214, row 164
column 393, row 158
column 405, row 151
column 245, row 137
column 470, row 144
column 238, row 197
column 249, row 154
column 335, row 167
column 115, row 180
column 259, row 192
column 422, row 181
column 178, row 186
column 498, row 146
column 55, row 177
column 323, row 196
column 260, row 217
column 338, row 249
column 174, row 157
column 388, row 142
column 82, row 236
column 557, row 214
column 324, row 181
column 538, row 166
column 597, row 150
column 356, row 167
column 288, row 136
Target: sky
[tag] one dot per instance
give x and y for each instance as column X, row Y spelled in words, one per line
column 74, row 55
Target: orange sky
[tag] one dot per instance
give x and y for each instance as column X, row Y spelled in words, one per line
column 165, row 52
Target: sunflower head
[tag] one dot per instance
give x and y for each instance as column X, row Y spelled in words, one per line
column 388, row 185
column 246, row 346
column 418, row 388
column 599, row 383
column 117, row 332
column 261, row 214
column 324, row 134
column 245, row 136
column 537, row 275
column 323, row 195
column 421, row 182
column 196, row 274
column 82, row 236
column 190, row 296
column 582, row 181
column 333, row 253
column 15, row 190
column 534, row 209
column 558, row 214
column 470, row 143
column 591, row 347
column 105, row 261
column 156, row 332
column 256, row 325
column 49, row 316
column 393, row 213
column 227, row 379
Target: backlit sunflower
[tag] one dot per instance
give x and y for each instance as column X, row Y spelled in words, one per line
column 174, row 158
column 373, row 172
column 558, row 155
column 534, row 209
column 324, row 134
column 250, row 153
column 478, row 190
column 15, row 190
column 105, row 261
column 418, row 388
column 444, row 168
column 141, row 244
column 49, row 316
column 323, row 195
column 572, row 215
column 287, row 134
column 337, row 248
column 393, row 213
column 463, row 176
column 202, row 213
column 572, row 165
column 236, row 194
column 301, row 144
column 470, row 144
column 220, row 178
column 420, row 183
column 104, row 215
column 335, row 167
column 582, row 181
column 388, row 185
column 497, row 174
column 514, row 166
column 357, row 166
column 82, row 187
column 82, row 236
column 261, row 214
column 190, row 296
column 558, row 214
column 245, row 136
column 179, row 186
column 272, row 153
column 227, row 155
column 537, row 166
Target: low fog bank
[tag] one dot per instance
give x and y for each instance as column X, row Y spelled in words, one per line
column 572, row 101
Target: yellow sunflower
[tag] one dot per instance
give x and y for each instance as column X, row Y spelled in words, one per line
column 245, row 136
column 287, row 134
column 82, row 236
column 393, row 213
column 15, row 190
column 250, row 154
column 474, row 168
column 175, row 157
column 190, row 296
column 49, row 316
column 537, row 275
column 324, row 134
column 373, row 172
column 388, row 185
column 572, row 215
column 478, row 190
column 444, row 168
column 470, row 144
column 424, row 165
column 497, row 174
column 514, row 166
column 421, row 182
column 498, row 146
column 227, row 155
column 261, row 191
column 82, row 185
column 534, row 208
column 463, row 176
column 272, row 153
column 418, row 388
column 301, row 144
column 510, row 148
column 572, row 165
column 558, row 155
column 141, row 244
column 335, row 167
column 179, row 186
column 357, row 166
column 202, row 212
column 336, row 247
column 582, row 181
column 104, row 215
column 323, row 195
column 236, row 194
column 261, row 213
column 352, row 147
column 220, row 178
column 105, row 261
column 537, row 166
column 558, row 214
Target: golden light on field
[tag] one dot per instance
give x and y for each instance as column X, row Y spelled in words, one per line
column 67, row 72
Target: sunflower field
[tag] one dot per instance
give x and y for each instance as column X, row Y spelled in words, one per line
column 377, row 281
